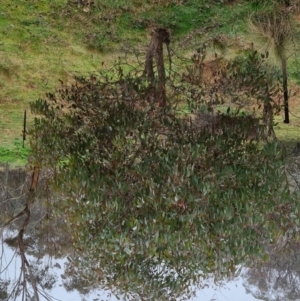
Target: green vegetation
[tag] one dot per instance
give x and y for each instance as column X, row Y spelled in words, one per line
column 151, row 200
column 43, row 42
column 15, row 155
column 164, row 173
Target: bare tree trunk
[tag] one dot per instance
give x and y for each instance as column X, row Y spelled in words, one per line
column 161, row 78
column 148, row 71
column 268, row 116
column 158, row 38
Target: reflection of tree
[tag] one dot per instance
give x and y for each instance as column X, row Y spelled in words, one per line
column 38, row 278
column 73, row 282
column 279, row 278
column 3, row 289
column 43, row 234
column 13, row 184
column 26, row 215
column 43, row 275
column 140, row 284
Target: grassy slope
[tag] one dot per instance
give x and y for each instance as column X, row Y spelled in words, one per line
column 36, row 51
column 42, row 42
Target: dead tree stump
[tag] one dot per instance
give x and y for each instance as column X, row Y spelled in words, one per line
column 159, row 37
column 268, row 116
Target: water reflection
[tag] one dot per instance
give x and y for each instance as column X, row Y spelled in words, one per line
column 50, row 257
column 56, row 280
column 279, row 278
column 51, row 275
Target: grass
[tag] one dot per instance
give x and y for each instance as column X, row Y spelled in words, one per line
column 289, row 134
column 43, row 42
column 15, row 154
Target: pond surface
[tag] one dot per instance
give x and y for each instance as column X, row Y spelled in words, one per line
column 59, row 286
column 277, row 280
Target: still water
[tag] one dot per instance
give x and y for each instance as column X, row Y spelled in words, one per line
column 58, row 286
column 277, row 280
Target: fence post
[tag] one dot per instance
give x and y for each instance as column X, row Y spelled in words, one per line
column 24, row 129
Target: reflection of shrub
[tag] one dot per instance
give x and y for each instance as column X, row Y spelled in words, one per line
column 138, row 180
